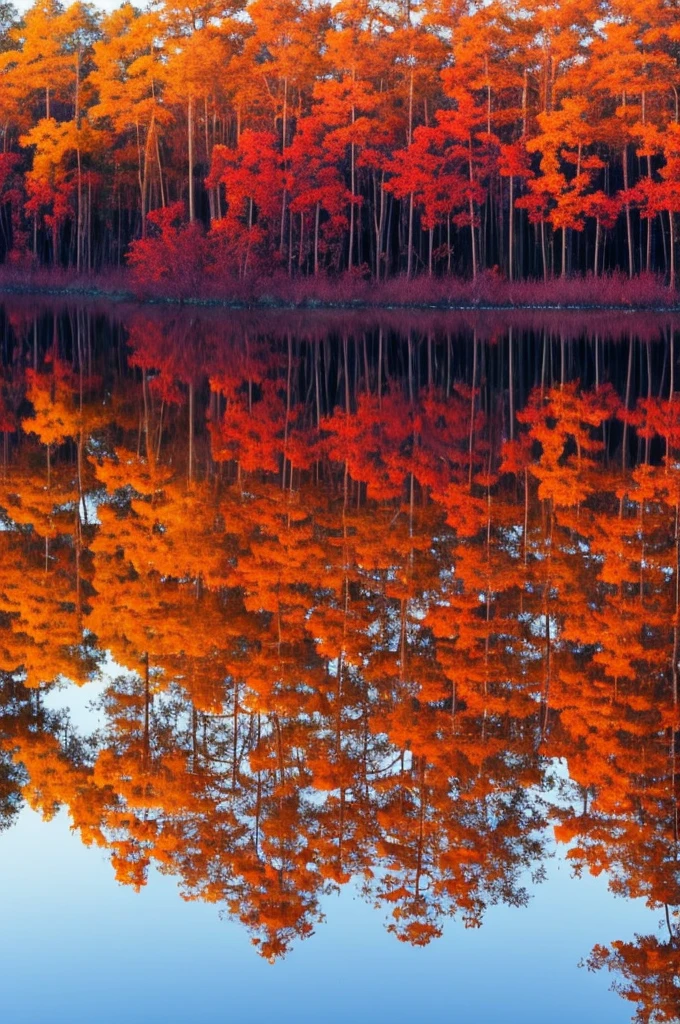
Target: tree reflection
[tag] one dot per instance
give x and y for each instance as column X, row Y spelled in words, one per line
column 362, row 599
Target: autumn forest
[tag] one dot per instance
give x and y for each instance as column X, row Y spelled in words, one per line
column 206, row 141
column 366, row 609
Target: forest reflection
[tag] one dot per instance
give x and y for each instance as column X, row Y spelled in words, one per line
column 388, row 601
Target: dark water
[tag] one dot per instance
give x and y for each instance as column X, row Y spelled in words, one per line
column 359, row 631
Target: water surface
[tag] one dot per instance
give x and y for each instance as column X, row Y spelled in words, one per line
column 339, row 666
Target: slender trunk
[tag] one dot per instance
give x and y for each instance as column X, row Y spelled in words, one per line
column 629, row 228
column 250, row 233
column 79, row 215
column 663, row 242
column 316, row 240
column 79, row 195
column 351, row 209
column 671, row 248
column 144, row 170
column 352, row 189
column 511, row 228
column 409, row 255
column 648, row 261
column 190, row 147
column 161, row 186
column 378, row 221
column 140, row 179
column 543, row 252
column 211, row 192
column 284, row 130
column 597, row 248
column 472, row 213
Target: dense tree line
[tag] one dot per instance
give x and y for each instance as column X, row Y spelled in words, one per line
column 374, row 137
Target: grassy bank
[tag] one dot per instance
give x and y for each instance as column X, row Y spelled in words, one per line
column 489, row 291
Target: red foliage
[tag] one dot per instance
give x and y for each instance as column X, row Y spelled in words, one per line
column 173, row 254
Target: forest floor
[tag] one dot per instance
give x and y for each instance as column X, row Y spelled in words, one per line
column 490, row 291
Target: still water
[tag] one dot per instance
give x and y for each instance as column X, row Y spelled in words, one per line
column 338, row 667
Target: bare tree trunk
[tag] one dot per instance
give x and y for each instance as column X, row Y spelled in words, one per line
column 409, row 254
column 472, row 216
column 648, row 262
column 351, row 209
column 378, row 222
column 211, row 192
column 629, row 228
column 79, row 197
column 352, row 188
column 543, row 252
column 190, row 146
column 511, row 228
column 284, row 131
column 596, row 256
column 160, row 172
column 671, row 247
column 316, row 240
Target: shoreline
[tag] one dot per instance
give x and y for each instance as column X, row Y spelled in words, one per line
column 614, row 293
column 310, row 304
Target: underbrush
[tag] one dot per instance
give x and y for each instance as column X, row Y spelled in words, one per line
column 616, row 291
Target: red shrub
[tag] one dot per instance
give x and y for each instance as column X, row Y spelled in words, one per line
column 172, row 256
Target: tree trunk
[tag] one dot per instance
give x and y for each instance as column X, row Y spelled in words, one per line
column 511, row 228
column 284, row 131
column 596, row 256
column 671, row 248
column 79, row 196
column 316, row 241
column 160, row 172
column 351, row 209
column 190, row 147
column 409, row 255
column 543, row 252
column 629, row 228
column 472, row 212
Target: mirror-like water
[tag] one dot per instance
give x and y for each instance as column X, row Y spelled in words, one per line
column 357, row 631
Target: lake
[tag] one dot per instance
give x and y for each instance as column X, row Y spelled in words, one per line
column 339, row 665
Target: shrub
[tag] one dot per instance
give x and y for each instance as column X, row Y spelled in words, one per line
column 173, row 255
